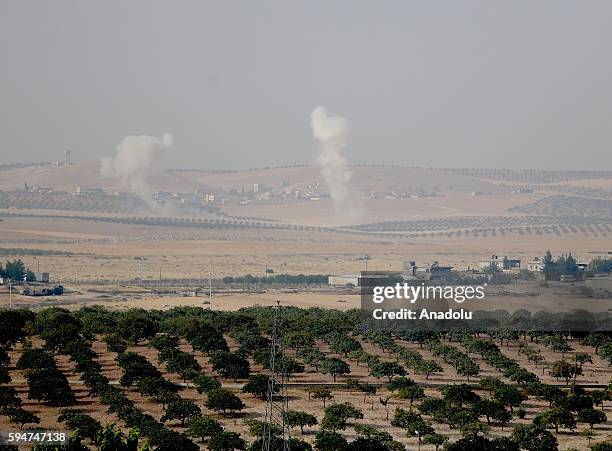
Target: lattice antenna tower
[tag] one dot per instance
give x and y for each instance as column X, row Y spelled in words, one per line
column 275, row 425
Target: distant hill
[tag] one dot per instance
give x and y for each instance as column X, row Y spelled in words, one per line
column 367, row 179
column 84, row 174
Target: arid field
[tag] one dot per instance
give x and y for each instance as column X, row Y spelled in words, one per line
column 128, row 259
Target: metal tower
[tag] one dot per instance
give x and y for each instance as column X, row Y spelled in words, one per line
column 276, row 429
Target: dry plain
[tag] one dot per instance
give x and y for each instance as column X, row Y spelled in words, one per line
column 98, row 255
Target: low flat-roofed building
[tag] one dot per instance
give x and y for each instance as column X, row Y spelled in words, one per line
column 512, row 263
column 343, row 280
column 504, row 263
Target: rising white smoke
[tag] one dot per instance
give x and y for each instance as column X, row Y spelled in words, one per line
column 136, row 158
column 332, row 134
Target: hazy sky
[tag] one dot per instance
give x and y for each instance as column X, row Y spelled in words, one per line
column 428, row 83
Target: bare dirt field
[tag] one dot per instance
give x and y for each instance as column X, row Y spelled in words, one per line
column 321, row 212
column 123, row 298
column 125, row 251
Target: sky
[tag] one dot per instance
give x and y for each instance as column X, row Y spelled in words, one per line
column 514, row 84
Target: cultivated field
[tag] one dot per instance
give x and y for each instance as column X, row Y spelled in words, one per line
column 123, row 259
column 364, row 393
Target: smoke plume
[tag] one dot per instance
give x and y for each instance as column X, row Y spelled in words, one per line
column 332, row 134
column 136, row 158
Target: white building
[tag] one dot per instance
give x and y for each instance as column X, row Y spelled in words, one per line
column 342, row 281
column 535, row 265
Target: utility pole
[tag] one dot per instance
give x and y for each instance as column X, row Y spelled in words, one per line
column 278, row 405
column 210, row 283
column 10, row 293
